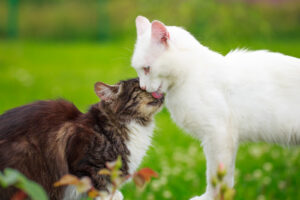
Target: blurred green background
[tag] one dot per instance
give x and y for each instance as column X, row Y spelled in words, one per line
column 60, row 48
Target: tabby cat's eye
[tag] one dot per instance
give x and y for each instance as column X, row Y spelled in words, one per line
column 146, row 70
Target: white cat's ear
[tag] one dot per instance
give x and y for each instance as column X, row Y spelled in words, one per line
column 106, row 92
column 159, row 32
column 142, row 24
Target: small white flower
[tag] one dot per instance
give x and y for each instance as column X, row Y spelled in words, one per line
column 261, row 197
column 257, row 174
column 267, row 166
column 167, row 194
column 281, row 185
column 266, row 180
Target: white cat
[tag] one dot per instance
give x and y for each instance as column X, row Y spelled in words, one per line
column 220, row 100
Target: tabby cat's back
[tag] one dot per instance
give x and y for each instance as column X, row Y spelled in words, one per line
column 40, row 115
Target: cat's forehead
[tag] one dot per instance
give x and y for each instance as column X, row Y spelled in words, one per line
column 141, row 56
column 131, row 83
column 145, row 54
column 146, row 51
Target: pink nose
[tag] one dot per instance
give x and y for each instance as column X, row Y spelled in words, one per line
column 143, row 87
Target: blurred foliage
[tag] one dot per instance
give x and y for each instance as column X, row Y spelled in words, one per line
column 113, row 170
column 11, row 177
column 103, row 19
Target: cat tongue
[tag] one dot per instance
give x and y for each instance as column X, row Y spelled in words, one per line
column 157, row 95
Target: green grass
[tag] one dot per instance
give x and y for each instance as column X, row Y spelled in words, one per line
column 31, row 71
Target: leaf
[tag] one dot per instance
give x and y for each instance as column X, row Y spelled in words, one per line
column 84, row 185
column 221, row 171
column 87, row 198
column 34, row 190
column 67, row 180
column 104, row 172
column 115, row 174
column 93, row 193
column 10, row 177
column 147, row 174
column 117, row 164
column 229, row 194
column 139, row 180
column 144, row 175
column 214, row 182
column 20, row 195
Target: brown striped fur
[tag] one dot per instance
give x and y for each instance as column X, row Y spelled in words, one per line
column 47, row 139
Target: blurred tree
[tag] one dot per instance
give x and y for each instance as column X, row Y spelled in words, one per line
column 225, row 20
column 104, row 26
column 12, row 19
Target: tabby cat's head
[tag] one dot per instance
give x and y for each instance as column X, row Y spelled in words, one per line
column 127, row 100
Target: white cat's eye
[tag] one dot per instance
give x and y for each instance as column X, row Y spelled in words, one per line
column 146, row 70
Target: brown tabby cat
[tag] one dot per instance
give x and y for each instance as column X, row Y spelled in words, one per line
column 48, row 139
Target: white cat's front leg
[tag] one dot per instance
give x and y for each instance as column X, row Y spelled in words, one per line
column 219, row 147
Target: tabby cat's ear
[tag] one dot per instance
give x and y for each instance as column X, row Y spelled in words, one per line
column 106, row 92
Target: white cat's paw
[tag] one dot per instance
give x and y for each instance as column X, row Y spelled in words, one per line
column 202, row 197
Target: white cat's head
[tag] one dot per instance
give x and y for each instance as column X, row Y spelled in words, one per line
column 152, row 42
column 157, row 54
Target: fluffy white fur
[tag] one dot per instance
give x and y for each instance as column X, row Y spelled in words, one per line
column 221, row 100
column 139, row 141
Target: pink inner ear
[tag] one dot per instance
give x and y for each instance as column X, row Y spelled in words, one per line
column 103, row 91
column 142, row 24
column 160, row 32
